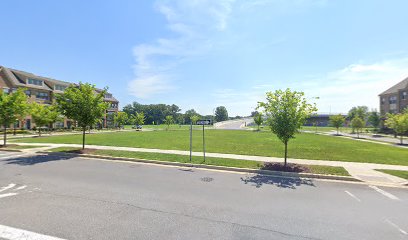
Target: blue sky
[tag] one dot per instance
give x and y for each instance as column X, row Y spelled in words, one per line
column 202, row 54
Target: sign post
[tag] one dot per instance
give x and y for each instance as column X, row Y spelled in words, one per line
column 203, row 122
column 191, row 139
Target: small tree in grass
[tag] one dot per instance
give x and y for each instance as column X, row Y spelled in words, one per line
column 168, row 121
column 83, row 104
column 374, row 119
column 357, row 124
column 286, row 111
column 194, row 119
column 399, row 123
column 120, row 118
column 40, row 114
column 54, row 115
column 258, row 119
column 337, row 121
column 12, row 106
column 138, row 119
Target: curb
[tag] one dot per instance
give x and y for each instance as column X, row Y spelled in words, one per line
column 222, row 168
column 10, row 150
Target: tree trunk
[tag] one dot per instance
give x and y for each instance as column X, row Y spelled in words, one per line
column 401, row 138
column 258, row 128
column 286, row 153
column 5, row 135
column 337, row 131
column 83, row 137
column 39, row 131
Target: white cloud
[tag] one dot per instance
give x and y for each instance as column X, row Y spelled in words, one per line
column 193, row 22
column 358, row 84
column 145, row 87
column 338, row 90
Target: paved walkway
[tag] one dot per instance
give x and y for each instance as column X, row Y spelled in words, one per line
column 362, row 171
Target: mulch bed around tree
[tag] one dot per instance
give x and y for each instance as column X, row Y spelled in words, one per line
column 290, row 167
column 82, row 151
column 8, row 146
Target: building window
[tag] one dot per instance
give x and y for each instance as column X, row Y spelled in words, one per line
column 6, row 90
column 404, row 95
column 60, row 87
column 35, row 82
column 28, row 93
column 382, row 100
column 59, row 124
column 393, row 100
column 108, row 95
column 42, row 95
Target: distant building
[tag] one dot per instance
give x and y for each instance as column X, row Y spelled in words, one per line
column 321, row 120
column 42, row 90
column 395, row 99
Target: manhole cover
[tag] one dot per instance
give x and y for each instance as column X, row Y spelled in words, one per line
column 207, row 179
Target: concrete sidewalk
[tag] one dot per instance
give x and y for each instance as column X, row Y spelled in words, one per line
column 362, row 171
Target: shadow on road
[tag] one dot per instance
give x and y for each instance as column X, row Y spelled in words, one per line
column 32, row 160
column 282, row 182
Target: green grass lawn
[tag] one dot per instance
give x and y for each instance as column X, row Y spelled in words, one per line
column 304, row 146
column 226, row 162
column 164, row 127
column 397, row 173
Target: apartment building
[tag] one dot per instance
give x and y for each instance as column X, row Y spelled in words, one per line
column 42, row 90
column 395, row 99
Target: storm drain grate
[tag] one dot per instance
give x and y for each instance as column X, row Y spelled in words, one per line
column 207, row 179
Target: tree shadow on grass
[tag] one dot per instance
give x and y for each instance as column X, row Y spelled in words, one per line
column 279, row 181
column 36, row 159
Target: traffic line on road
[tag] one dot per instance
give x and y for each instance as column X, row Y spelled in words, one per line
column 20, row 188
column 7, row 195
column 353, row 196
column 396, row 226
column 11, row 185
column 387, row 194
column 10, row 233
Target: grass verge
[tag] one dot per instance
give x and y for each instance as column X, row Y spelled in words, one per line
column 262, row 143
column 226, row 162
column 397, row 173
column 18, row 147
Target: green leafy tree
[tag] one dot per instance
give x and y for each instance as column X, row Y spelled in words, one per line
column 398, row 123
column 54, row 115
column 258, row 119
column 168, row 121
column 359, row 111
column 337, row 121
column 374, row 119
column 138, row 118
column 40, row 114
column 357, row 124
column 120, row 119
column 286, row 111
column 12, row 106
column 194, row 119
column 221, row 114
column 83, row 104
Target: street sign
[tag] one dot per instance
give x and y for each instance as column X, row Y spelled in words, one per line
column 204, row 122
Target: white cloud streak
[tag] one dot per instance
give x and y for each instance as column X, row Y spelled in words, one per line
column 338, row 90
column 193, row 22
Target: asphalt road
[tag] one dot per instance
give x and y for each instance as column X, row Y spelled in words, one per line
column 234, row 124
column 77, row 198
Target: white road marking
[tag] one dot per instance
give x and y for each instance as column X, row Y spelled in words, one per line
column 19, row 234
column 20, row 188
column 352, row 195
column 11, row 185
column 387, row 194
column 396, row 226
column 7, row 195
